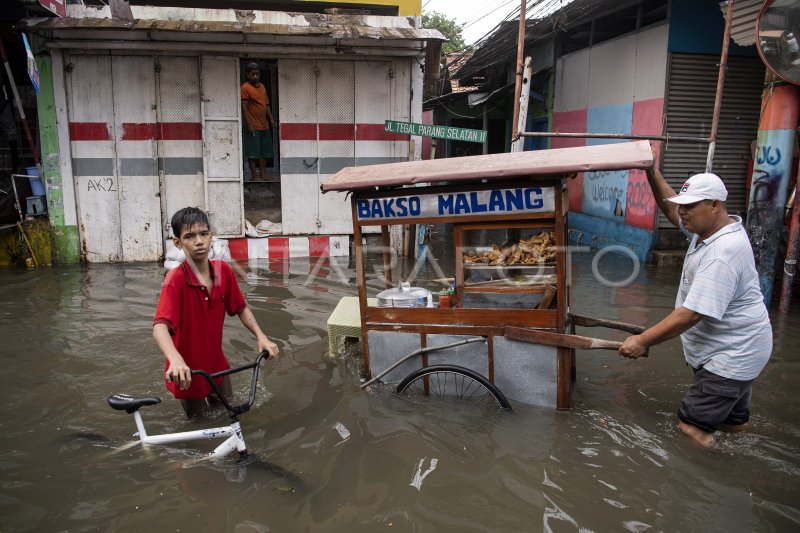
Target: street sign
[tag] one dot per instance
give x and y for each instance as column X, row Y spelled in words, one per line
column 433, row 130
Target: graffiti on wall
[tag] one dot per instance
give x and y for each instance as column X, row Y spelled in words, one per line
column 605, row 194
column 640, row 201
column 768, row 195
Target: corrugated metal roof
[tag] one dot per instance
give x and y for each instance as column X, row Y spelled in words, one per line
column 743, row 25
column 502, row 44
column 617, row 156
column 148, row 18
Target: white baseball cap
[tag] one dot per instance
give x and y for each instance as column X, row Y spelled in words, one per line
column 704, row 186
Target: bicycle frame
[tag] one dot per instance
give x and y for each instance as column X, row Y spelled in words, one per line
column 234, row 440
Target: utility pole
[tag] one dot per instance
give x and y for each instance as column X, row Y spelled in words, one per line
column 518, row 84
column 771, row 171
column 518, row 144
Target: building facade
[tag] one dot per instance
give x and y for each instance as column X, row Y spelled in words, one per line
column 142, row 117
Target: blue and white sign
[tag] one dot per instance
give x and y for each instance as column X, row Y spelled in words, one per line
column 457, row 204
column 33, row 70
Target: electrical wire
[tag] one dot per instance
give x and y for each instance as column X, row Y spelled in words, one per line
column 543, row 19
column 491, row 12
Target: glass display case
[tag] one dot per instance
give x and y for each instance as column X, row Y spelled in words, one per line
column 506, row 266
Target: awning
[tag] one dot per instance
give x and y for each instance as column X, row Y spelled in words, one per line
column 743, row 24
column 258, row 26
column 616, row 156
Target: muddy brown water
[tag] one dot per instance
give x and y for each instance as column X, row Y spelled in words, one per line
column 333, row 458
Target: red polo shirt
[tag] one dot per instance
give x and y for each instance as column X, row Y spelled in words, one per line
column 195, row 317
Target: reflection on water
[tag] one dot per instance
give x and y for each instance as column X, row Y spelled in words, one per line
column 328, row 457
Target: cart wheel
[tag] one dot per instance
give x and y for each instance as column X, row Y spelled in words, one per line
column 451, row 381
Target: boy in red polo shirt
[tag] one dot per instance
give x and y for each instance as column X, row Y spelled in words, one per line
column 191, row 310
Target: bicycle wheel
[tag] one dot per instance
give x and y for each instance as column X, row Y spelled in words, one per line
column 451, row 381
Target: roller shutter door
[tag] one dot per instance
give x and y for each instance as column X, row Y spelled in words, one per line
column 689, row 107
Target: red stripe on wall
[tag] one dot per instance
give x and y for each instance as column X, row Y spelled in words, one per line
column 319, row 246
column 164, row 131
column 337, row 132
column 180, row 131
column 640, row 204
column 238, row 248
column 571, row 122
column 278, row 248
column 143, row 131
column 298, row 132
column 89, row 131
column 375, row 132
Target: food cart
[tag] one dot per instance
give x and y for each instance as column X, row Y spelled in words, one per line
column 500, row 247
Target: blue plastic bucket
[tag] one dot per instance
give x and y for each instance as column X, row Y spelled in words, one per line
column 37, row 188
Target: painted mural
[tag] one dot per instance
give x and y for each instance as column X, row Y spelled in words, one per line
column 613, row 87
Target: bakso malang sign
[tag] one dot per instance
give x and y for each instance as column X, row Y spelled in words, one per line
column 455, row 204
column 433, row 130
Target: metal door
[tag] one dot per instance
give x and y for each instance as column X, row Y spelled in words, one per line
column 222, row 160
column 134, row 87
column 297, row 100
column 336, row 94
column 91, row 125
column 112, row 119
column 180, row 139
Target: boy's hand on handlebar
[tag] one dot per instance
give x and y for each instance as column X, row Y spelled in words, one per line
column 181, row 374
column 266, row 345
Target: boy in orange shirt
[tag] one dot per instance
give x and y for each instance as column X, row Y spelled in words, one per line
column 257, row 118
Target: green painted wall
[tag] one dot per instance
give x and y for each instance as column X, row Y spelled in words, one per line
column 66, row 243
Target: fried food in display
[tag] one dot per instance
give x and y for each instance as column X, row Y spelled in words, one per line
column 538, row 249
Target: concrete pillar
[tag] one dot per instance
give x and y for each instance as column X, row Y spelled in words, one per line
column 56, row 170
column 771, row 172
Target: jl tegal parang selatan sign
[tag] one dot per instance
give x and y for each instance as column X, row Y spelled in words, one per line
column 433, row 130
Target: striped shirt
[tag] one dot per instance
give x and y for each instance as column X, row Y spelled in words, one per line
column 719, row 281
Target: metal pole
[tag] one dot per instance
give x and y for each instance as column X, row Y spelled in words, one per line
column 771, row 171
column 791, row 252
column 34, row 150
column 485, row 145
column 613, row 136
column 518, row 83
column 723, row 67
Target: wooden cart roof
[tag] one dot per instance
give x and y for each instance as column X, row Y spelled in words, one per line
column 616, row 156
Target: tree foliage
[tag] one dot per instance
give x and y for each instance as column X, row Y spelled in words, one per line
column 448, row 27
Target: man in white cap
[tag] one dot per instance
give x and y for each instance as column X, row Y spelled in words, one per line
column 719, row 311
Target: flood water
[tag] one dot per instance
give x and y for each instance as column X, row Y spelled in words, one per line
column 333, row 458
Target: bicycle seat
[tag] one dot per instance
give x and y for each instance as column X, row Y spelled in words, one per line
column 129, row 404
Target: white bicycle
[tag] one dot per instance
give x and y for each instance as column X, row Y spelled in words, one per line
column 234, row 440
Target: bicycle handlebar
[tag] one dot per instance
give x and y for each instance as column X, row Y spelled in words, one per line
column 234, row 410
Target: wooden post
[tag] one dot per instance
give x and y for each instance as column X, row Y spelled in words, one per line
column 518, row 142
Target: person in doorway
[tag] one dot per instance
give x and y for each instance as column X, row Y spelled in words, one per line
column 191, row 310
column 258, row 122
column 719, row 310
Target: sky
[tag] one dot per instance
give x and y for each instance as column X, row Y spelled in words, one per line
column 479, row 16
column 482, row 16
